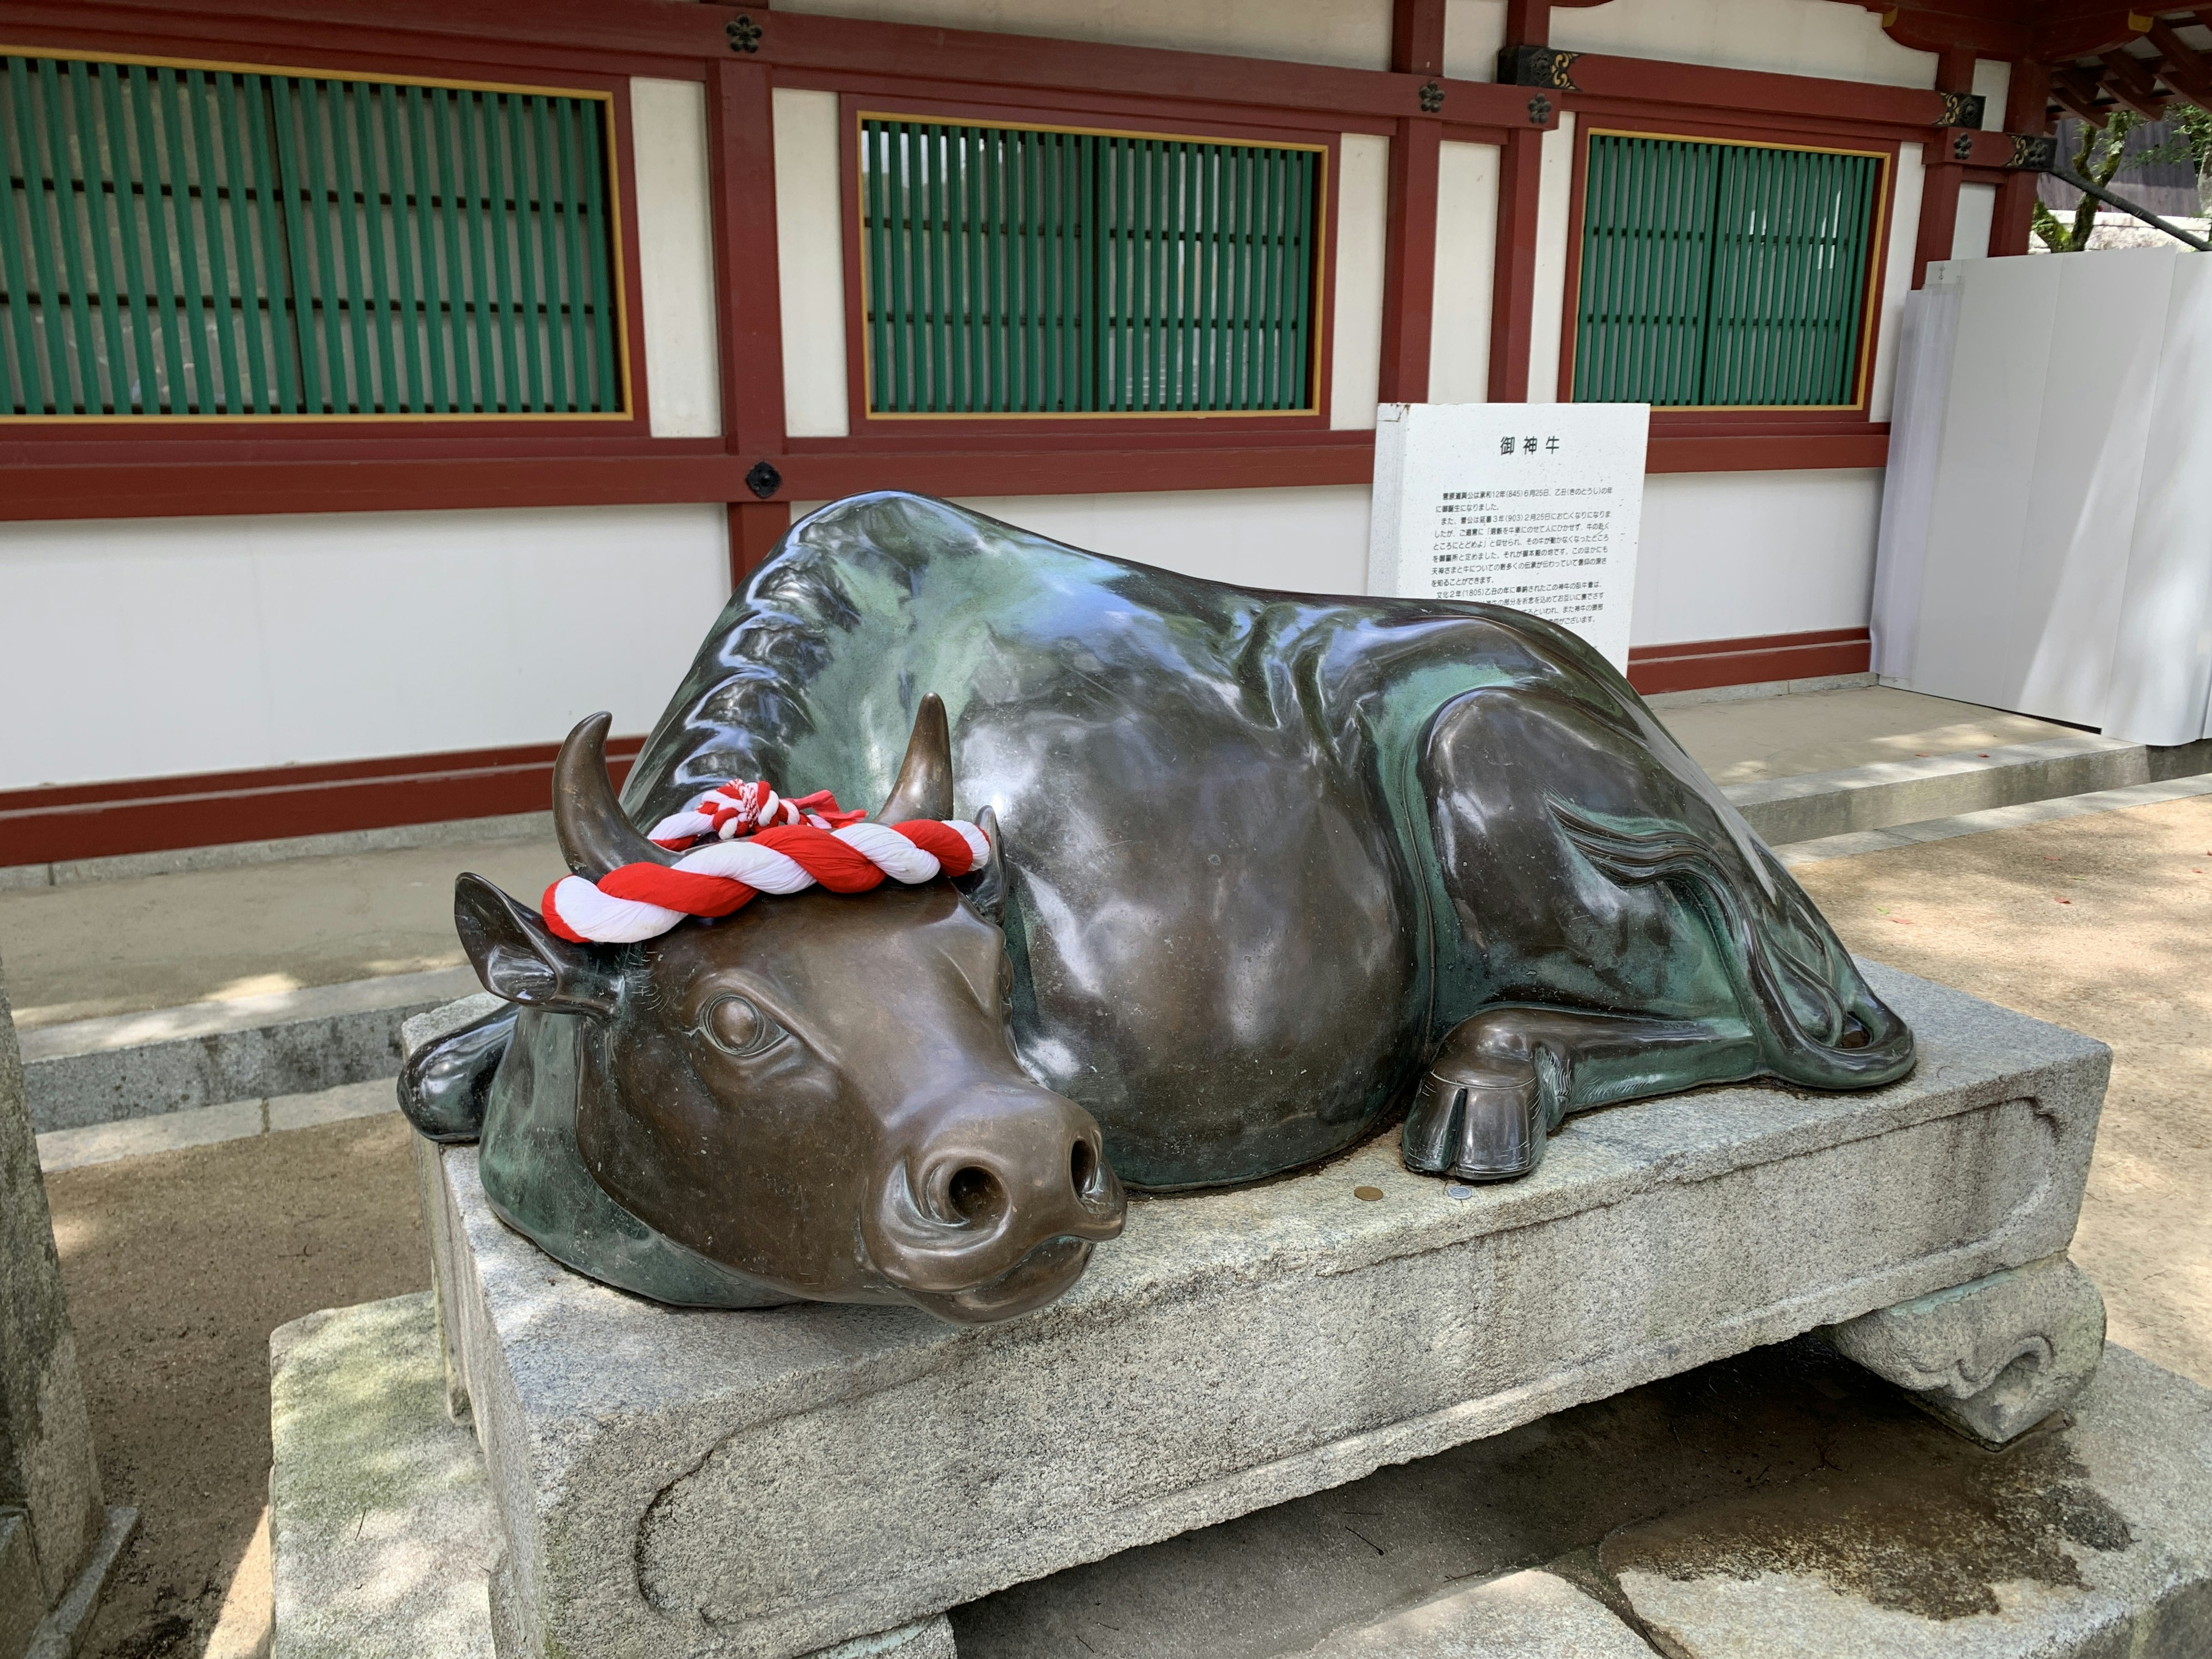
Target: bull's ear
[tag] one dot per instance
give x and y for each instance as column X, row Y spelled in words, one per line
column 985, row 889
column 517, row 957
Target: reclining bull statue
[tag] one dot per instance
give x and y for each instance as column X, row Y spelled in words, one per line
column 1263, row 868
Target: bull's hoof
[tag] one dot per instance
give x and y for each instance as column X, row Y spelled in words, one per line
column 1488, row 1121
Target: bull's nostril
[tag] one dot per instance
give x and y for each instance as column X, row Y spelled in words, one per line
column 1082, row 1164
column 975, row 1195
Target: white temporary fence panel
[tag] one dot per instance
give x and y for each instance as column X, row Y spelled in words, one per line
column 1534, row 505
column 2044, row 544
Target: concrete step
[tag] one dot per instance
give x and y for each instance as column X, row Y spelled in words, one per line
column 1882, row 794
column 213, row 1053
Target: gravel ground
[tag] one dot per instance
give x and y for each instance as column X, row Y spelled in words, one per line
column 2100, row 923
column 180, row 1265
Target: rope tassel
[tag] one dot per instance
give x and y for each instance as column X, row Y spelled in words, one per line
column 805, row 842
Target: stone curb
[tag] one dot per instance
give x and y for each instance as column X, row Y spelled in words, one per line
column 2001, row 818
column 231, row 855
column 1814, row 804
column 210, row 1053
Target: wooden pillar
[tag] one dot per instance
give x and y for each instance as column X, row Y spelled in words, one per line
column 1940, row 172
column 1513, row 283
column 742, row 142
column 2027, row 110
column 754, row 527
column 1417, row 47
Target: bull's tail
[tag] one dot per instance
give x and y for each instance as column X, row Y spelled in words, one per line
column 1819, row 1023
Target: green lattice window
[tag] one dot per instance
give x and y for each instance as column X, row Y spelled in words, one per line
column 1027, row 271
column 1724, row 275
column 209, row 242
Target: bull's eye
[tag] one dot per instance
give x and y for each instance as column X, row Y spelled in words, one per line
column 735, row 1026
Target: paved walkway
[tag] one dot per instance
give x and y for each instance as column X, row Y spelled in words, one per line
column 1756, row 737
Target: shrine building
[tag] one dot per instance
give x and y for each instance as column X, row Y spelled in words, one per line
column 383, row 388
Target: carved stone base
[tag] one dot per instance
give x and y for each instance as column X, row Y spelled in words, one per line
column 1991, row 1358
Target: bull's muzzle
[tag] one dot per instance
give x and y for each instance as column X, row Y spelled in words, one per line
column 996, row 1207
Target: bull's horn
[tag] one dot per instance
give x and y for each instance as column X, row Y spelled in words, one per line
column 924, row 789
column 596, row 835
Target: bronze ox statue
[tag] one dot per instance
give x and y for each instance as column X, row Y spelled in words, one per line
column 1269, row 868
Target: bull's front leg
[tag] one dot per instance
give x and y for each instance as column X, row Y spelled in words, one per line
column 1505, row 1078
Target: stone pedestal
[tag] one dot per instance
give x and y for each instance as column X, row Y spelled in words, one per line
column 58, row 1543
column 770, row 1484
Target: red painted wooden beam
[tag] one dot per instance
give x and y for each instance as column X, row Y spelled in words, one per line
column 742, row 136
column 1696, row 86
column 1513, row 279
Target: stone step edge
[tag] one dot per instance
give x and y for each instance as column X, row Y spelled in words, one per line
column 203, row 1055
column 2015, row 816
column 1885, row 793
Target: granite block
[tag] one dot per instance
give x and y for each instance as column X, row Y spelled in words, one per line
column 767, row 1484
column 381, row 1531
column 2090, row 1541
column 1523, row 1615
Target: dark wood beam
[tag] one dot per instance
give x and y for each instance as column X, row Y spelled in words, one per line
column 2134, row 83
column 2186, row 70
column 2077, row 90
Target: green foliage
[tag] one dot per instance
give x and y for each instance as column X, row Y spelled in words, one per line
column 2099, row 158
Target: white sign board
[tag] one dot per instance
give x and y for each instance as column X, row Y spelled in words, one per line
column 1531, row 505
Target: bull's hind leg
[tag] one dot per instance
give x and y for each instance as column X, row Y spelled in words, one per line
column 1504, row 1078
column 1609, row 929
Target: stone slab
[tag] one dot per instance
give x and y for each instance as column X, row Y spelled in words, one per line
column 49, row 1477
column 61, row 1633
column 1816, row 805
column 2093, row 1539
column 382, row 1533
column 1892, row 1530
column 210, row 1053
column 1523, row 1615
column 767, row 1484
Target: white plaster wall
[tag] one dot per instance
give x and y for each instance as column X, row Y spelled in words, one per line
column 1897, row 280
column 1303, row 540
column 1353, row 33
column 1467, row 245
column 1474, row 33
column 142, row 649
column 1362, row 211
column 1728, row 556
column 810, row 257
column 1993, row 79
column 1978, row 212
column 676, row 257
column 1548, row 295
column 1784, row 37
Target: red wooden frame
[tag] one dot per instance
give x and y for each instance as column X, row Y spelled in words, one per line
column 1779, row 420
column 379, row 466
column 108, row 439
column 1703, row 664
column 211, row 809
column 900, row 434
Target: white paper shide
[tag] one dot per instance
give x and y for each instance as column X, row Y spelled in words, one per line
column 1534, row 505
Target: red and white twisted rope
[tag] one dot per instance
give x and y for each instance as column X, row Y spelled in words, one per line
column 760, row 843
